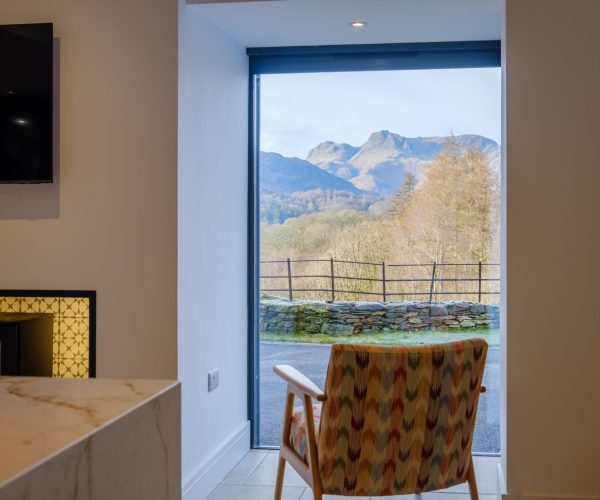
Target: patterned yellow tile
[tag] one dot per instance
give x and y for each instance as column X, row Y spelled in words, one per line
column 82, row 370
column 76, row 349
column 68, row 327
column 10, row 304
column 30, row 304
column 72, row 307
column 49, row 305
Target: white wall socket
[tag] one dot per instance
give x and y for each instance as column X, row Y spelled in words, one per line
column 213, row 380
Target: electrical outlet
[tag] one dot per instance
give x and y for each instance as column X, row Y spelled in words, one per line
column 213, row 380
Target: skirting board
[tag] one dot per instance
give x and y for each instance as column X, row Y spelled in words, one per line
column 544, row 497
column 198, row 485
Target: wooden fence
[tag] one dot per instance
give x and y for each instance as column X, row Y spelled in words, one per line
column 334, row 279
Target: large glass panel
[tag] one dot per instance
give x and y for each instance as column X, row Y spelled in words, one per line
column 379, row 221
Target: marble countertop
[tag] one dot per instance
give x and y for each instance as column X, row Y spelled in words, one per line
column 39, row 417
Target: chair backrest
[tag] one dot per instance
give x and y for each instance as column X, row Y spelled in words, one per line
column 399, row 420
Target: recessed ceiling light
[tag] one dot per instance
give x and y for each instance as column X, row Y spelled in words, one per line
column 358, row 24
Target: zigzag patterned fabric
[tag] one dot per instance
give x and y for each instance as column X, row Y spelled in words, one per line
column 299, row 429
column 399, row 420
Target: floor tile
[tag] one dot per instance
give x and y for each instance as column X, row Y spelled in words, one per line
column 266, row 473
column 486, row 474
column 253, row 492
column 308, row 495
column 245, row 467
column 441, row 495
column 253, row 478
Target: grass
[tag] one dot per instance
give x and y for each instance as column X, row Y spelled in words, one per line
column 387, row 338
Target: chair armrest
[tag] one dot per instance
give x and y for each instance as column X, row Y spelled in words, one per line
column 299, row 381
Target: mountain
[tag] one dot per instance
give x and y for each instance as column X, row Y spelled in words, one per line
column 279, row 174
column 381, row 164
column 340, row 176
column 386, row 147
column 333, row 158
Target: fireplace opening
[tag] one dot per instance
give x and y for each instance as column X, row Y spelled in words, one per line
column 26, row 344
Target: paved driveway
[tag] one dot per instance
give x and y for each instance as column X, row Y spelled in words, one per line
column 312, row 359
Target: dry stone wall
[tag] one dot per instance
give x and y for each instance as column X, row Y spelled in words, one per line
column 348, row 318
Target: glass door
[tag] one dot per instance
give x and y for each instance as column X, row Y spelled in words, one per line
column 377, row 221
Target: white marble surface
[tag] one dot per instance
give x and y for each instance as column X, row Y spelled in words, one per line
column 89, row 439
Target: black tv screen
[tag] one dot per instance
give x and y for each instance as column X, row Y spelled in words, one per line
column 26, row 103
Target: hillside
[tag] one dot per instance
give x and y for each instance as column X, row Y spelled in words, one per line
column 279, row 174
column 276, row 208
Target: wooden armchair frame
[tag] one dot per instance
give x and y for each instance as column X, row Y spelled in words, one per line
column 301, row 386
column 306, row 390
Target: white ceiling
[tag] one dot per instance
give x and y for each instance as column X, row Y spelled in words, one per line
column 325, row 22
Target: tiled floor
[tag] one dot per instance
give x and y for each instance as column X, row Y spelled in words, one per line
column 254, row 479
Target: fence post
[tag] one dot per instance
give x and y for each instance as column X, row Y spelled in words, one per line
column 332, row 281
column 479, row 292
column 432, row 282
column 289, row 269
column 383, row 275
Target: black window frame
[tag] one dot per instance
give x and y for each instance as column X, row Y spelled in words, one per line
column 322, row 59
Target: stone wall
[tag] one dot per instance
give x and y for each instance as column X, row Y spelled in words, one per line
column 347, row 318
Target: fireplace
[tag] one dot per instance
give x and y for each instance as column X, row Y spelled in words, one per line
column 48, row 332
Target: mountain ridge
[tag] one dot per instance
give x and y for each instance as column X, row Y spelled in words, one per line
column 382, row 162
column 340, row 175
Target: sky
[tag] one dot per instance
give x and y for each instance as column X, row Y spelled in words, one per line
column 299, row 111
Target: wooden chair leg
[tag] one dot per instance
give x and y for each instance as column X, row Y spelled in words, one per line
column 313, row 461
column 279, row 481
column 472, row 482
column 285, row 439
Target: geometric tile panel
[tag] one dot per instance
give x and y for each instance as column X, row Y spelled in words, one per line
column 71, row 330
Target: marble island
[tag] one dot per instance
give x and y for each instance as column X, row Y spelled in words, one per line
column 89, row 439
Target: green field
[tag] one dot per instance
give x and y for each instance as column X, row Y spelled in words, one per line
column 387, row 338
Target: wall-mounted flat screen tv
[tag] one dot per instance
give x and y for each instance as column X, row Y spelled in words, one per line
column 26, row 103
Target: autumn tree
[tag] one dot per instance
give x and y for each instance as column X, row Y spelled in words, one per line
column 402, row 197
column 452, row 216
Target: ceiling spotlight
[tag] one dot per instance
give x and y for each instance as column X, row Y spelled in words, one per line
column 358, row 24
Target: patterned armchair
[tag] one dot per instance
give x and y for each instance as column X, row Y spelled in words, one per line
column 392, row 420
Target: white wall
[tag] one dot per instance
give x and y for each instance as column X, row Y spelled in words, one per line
column 553, row 248
column 109, row 222
column 213, row 128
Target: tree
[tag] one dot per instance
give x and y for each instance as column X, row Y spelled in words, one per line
column 453, row 215
column 402, row 197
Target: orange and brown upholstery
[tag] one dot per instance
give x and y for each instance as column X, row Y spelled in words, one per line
column 298, row 430
column 396, row 420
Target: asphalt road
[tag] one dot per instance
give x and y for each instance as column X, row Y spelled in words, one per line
column 312, row 359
